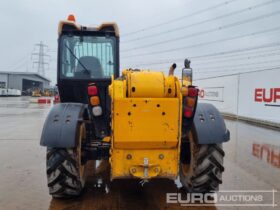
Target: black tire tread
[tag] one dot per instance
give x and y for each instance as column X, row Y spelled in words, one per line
column 59, row 164
column 207, row 167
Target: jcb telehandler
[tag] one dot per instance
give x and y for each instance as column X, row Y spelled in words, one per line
column 145, row 123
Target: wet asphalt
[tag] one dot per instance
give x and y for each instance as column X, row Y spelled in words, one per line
column 252, row 162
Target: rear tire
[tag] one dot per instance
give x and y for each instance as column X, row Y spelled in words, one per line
column 65, row 172
column 204, row 173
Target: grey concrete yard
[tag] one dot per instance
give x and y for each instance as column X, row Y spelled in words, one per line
column 23, row 179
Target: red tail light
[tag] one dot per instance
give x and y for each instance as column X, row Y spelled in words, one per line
column 188, row 112
column 190, row 102
column 92, row 90
column 193, row 92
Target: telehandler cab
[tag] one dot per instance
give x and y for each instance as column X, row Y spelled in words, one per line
column 145, row 123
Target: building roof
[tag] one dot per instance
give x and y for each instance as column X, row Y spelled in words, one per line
column 25, row 73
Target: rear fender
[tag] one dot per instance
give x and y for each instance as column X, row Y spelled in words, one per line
column 61, row 126
column 209, row 126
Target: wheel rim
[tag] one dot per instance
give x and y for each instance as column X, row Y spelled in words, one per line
column 81, row 139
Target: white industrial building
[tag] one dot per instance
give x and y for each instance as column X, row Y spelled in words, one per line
column 19, row 82
column 252, row 96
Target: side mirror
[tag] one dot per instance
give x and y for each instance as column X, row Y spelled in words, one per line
column 187, row 73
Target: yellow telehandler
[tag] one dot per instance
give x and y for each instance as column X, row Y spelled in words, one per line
column 147, row 124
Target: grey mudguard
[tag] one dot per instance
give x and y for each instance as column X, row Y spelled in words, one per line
column 209, row 126
column 61, row 126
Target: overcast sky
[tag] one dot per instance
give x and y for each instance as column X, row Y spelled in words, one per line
column 27, row 22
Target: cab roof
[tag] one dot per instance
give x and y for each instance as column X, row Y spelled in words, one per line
column 72, row 25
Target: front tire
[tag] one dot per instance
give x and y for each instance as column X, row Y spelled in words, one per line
column 65, row 172
column 204, row 172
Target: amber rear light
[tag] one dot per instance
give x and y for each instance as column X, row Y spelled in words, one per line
column 94, row 100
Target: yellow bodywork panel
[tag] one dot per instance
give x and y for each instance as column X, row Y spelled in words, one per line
column 117, row 89
column 146, row 123
column 146, row 84
column 144, row 163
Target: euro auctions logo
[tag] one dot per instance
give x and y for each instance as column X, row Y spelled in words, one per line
column 238, row 198
column 270, row 96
